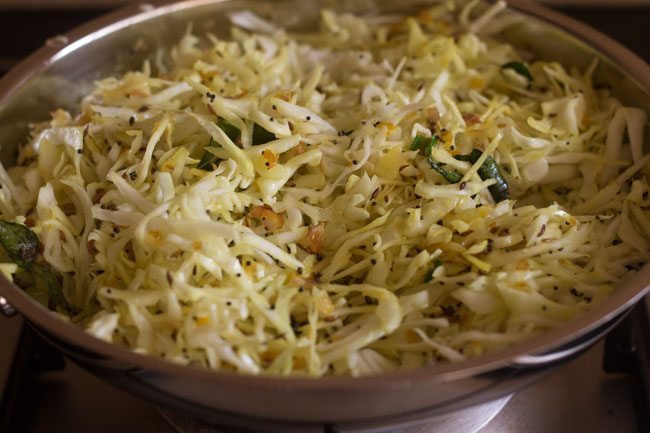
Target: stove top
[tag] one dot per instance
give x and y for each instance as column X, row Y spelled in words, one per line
column 605, row 390
column 469, row 420
column 593, row 393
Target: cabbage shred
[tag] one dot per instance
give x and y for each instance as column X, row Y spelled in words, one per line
column 259, row 207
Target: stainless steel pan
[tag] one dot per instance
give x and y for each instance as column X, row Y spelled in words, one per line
column 62, row 70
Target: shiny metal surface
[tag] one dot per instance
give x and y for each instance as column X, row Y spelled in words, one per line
column 59, row 73
column 576, row 397
column 466, row 420
column 5, row 308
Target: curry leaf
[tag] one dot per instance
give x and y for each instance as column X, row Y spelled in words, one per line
column 24, row 248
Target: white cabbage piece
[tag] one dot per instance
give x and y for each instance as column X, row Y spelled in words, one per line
column 567, row 113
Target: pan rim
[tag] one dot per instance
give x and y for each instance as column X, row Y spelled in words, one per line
column 628, row 293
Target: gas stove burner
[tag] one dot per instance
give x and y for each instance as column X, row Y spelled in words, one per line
column 468, row 420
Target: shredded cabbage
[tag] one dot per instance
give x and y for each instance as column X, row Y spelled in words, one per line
column 260, row 208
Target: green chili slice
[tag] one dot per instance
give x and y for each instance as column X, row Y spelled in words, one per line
column 449, row 176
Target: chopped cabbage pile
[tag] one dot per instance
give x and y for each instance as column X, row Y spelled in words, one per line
column 380, row 194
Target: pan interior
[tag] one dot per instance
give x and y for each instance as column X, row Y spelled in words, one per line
column 62, row 81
